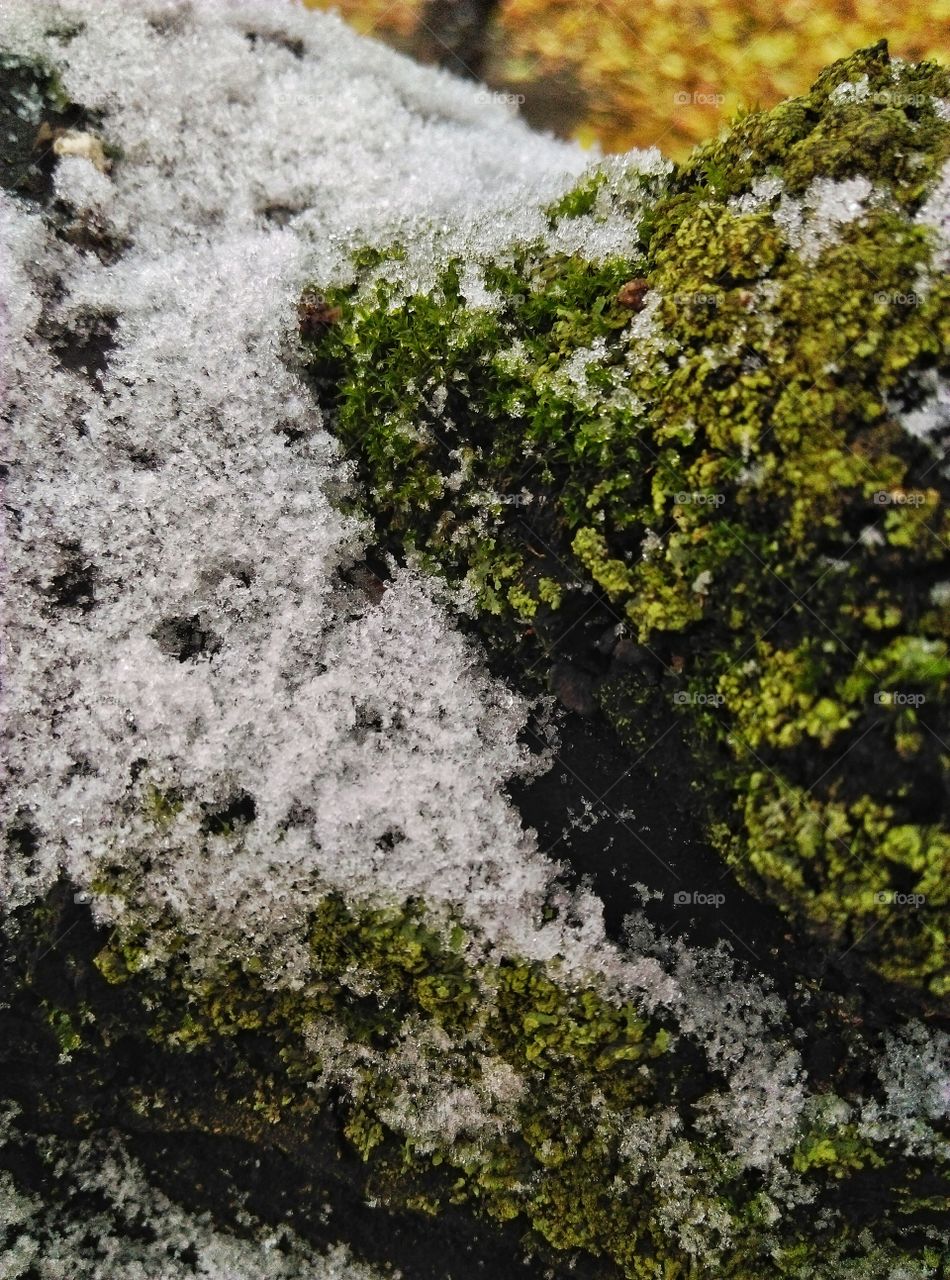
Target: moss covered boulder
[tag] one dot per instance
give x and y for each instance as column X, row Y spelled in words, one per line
column 275, row 944
column 607, row 1132
column 707, row 405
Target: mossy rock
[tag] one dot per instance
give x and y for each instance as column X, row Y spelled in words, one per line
column 604, row 1156
column 135, row 1028
column 728, row 441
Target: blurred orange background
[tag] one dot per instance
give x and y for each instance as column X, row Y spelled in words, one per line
column 664, row 72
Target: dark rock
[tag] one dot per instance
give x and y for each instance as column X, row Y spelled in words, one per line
column 573, row 688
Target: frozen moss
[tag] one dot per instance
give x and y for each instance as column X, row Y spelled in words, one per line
column 313, row 908
column 467, row 1080
column 709, row 439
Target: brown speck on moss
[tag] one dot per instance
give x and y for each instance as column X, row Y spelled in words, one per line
column 315, row 316
column 633, row 293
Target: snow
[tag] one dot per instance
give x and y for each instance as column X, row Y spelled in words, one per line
column 135, row 1231
column 914, row 1071
column 761, row 194
column 171, row 482
column 934, row 213
column 851, row 90
column 929, row 420
column 812, row 223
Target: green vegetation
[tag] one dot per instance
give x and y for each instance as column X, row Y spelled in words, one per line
column 719, row 457
column 464, row 1078
column 599, row 1148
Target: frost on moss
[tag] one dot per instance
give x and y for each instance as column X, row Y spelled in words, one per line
column 83, row 1208
column 466, row 1079
column 728, row 437
column 309, row 905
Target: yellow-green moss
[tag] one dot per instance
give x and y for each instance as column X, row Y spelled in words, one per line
column 592, row 1069
column 737, row 485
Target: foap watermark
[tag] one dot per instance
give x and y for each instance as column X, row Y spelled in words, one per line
column 487, row 498
column 890, row 898
column 895, row 98
column 695, row 299
column 697, row 498
column 510, row 100
column 698, row 98
column 899, row 498
column 682, row 698
column 689, row 898
column 895, row 298
column 897, row 698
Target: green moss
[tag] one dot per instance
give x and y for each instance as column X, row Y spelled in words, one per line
column 698, row 483
column 731, row 478
column 64, row 1025
column 613, row 576
column 579, row 201
column 592, row 1070
column 162, row 806
column 893, row 132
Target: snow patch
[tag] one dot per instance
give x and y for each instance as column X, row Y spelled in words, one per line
column 135, row 1231
column 812, row 224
